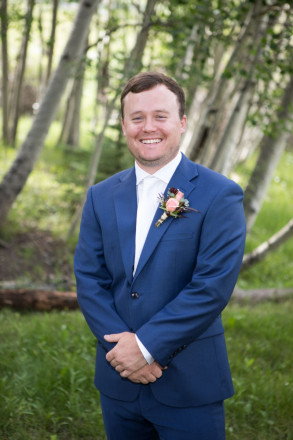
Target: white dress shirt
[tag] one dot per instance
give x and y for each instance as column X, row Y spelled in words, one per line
column 156, row 184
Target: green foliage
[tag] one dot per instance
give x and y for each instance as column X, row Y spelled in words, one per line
column 47, row 368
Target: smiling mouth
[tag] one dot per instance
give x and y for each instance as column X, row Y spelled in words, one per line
column 151, row 141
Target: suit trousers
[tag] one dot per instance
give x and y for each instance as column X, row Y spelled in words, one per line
column 148, row 419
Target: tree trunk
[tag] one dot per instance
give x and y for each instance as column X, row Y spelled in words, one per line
column 271, row 150
column 213, row 110
column 132, row 65
column 5, row 81
column 71, row 125
column 222, row 160
column 16, row 177
column 268, row 246
column 225, row 119
column 134, row 62
column 41, row 81
column 19, row 75
column 51, row 43
column 261, row 295
column 37, row 299
column 185, row 64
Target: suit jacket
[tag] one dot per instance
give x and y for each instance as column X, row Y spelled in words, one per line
column 185, row 276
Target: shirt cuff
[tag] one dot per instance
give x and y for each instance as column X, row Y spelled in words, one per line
column 146, row 354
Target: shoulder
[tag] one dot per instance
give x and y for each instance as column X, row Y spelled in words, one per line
column 207, row 179
column 214, row 178
column 112, row 181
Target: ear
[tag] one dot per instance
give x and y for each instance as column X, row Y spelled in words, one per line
column 183, row 123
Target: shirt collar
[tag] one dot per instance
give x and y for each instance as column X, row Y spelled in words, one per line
column 165, row 173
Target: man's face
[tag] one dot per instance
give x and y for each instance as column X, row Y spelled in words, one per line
column 152, row 127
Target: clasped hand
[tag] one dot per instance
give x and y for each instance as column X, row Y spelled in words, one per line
column 128, row 360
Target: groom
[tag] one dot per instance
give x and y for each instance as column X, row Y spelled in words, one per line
column 152, row 288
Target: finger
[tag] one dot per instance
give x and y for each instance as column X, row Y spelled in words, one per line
column 119, row 368
column 114, row 337
column 159, row 373
column 110, row 356
column 125, row 373
column 134, row 380
column 152, row 378
column 144, row 381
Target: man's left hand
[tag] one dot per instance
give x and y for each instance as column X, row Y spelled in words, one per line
column 126, row 356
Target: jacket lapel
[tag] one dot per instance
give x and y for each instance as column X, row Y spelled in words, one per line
column 125, row 201
column 181, row 179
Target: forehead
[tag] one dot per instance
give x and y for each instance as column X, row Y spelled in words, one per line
column 159, row 97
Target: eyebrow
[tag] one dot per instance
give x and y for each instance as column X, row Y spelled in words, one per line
column 155, row 111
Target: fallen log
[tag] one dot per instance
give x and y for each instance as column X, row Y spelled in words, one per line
column 46, row 299
column 261, row 295
column 37, row 299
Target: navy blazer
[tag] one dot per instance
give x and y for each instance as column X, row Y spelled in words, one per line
column 185, row 276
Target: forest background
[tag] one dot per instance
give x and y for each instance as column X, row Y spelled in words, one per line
column 63, row 65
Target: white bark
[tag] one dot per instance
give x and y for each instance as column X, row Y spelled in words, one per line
column 271, row 150
column 16, row 177
column 214, row 110
column 222, row 161
column 268, row 246
column 261, row 295
column 52, row 40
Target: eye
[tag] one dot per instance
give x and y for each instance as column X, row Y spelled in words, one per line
column 137, row 118
column 161, row 117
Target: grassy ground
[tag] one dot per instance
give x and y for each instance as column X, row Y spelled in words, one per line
column 47, row 368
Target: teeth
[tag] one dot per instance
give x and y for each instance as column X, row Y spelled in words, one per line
column 151, row 141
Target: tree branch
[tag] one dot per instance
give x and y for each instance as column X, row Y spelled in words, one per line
column 272, row 243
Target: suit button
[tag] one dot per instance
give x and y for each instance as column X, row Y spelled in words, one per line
column 134, row 295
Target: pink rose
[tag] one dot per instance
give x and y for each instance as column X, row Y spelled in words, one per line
column 179, row 196
column 172, row 204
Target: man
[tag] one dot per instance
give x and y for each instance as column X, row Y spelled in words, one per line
column 151, row 290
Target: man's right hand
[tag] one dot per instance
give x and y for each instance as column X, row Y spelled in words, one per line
column 147, row 374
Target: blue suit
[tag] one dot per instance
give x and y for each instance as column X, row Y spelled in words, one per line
column 185, row 276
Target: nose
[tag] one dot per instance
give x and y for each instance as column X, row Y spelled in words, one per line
column 149, row 125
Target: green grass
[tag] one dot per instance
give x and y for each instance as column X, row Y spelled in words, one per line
column 47, row 369
column 46, row 378
column 260, row 348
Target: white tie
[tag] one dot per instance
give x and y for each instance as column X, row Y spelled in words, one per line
column 147, row 206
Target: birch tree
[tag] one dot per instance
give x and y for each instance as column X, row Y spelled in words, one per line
column 5, row 70
column 15, row 179
column 268, row 246
column 71, row 124
column 271, row 149
column 51, row 42
column 16, row 89
column 201, row 144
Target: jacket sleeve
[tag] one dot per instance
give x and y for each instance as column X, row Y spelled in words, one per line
column 201, row 301
column 93, row 279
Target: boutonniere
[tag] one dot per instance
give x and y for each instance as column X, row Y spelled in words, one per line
column 174, row 205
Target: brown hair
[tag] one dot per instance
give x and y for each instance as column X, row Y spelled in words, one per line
column 146, row 81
